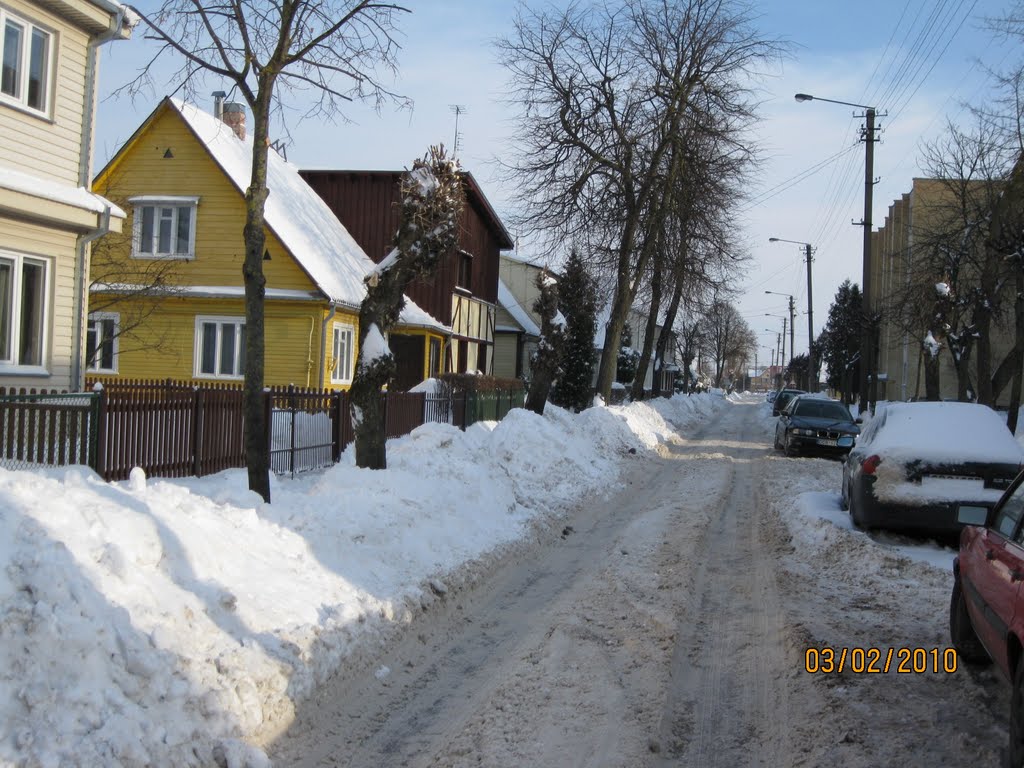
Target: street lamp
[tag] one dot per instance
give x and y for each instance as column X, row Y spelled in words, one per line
column 812, row 379
column 867, row 338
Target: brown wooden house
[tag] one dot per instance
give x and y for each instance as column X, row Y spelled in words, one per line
column 462, row 293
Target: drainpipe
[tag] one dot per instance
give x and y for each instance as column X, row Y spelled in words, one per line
column 323, row 344
column 80, row 301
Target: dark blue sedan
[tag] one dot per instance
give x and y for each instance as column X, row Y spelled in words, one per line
column 815, row 425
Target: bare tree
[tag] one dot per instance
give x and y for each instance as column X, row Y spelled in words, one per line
column 431, row 195
column 607, row 92
column 958, row 288
column 331, row 49
column 728, row 338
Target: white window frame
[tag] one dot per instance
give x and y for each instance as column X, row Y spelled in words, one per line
column 238, row 372
column 174, row 202
column 98, row 318
column 28, row 27
column 342, row 369
column 11, row 363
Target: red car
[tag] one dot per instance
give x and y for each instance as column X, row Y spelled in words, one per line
column 986, row 611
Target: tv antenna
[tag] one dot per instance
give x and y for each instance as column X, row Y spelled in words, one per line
column 457, row 110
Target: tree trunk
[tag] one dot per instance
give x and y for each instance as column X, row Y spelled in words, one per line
column 540, row 387
column 621, row 303
column 548, row 356
column 382, row 304
column 1018, row 352
column 666, row 334
column 431, row 195
column 649, row 332
column 257, row 448
column 931, row 376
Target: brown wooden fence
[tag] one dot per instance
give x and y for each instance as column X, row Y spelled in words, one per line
column 175, row 429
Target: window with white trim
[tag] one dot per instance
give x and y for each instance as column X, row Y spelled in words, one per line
column 164, row 227
column 101, row 342
column 220, row 348
column 23, row 309
column 342, row 349
column 26, row 63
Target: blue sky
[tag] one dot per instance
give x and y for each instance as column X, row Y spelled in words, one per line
column 915, row 59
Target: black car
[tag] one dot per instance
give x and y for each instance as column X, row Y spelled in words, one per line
column 783, row 397
column 815, row 425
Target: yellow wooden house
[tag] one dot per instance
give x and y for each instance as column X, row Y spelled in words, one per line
column 167, row 297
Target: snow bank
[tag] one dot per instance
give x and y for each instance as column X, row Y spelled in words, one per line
column 176, row 622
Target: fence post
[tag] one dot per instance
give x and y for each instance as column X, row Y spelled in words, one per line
column 198, row 417
column 268, row 416
column 336, row 414
column 98, row 432
column 291, row 413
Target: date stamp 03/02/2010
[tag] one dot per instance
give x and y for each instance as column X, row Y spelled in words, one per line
column 880, row 661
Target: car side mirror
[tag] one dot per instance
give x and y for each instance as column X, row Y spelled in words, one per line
column 971, row 514
column 858, row 420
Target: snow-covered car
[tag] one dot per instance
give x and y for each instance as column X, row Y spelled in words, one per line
column 915, row 462
column 986, row 609
column 770, row 395
column 815, row 425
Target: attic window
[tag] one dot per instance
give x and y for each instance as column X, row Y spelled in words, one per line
column 465, row 275
column 164, row 227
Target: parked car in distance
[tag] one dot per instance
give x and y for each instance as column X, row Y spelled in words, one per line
column 783, row 397
column 815, row 425
column 915, row 462
column 770, row 395
column 986, row 609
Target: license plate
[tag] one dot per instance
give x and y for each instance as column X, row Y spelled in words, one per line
column 829, row 443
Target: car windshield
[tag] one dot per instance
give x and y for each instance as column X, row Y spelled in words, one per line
column 821, row 409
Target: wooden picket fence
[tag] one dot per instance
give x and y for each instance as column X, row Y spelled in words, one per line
column 179, row 428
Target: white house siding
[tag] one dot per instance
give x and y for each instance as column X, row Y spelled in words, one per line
column 58, row 247
column 505, row 345
column 49, row 147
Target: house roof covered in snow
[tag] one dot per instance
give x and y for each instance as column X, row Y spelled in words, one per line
column 302, row 221
column 517, row 310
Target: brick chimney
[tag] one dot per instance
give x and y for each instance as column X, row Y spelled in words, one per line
column 234, row 116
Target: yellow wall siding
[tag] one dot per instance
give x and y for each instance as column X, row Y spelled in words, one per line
column 220, row 216
column 166, row 346
column 59, row 249
column 49, row 146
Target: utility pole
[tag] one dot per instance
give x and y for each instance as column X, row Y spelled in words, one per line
column 783, row 363
column 792, row 348
column 868, row 377
column 812, row 379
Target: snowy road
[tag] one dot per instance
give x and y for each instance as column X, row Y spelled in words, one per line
column 667, row 626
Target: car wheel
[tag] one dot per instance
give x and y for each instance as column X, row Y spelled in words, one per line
column 1017, row 717
column 778, row 445
column 961, row 631
column 844, row 498
column 788, row 448
column 855, row 517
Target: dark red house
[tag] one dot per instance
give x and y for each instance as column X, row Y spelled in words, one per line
column 463, row 291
